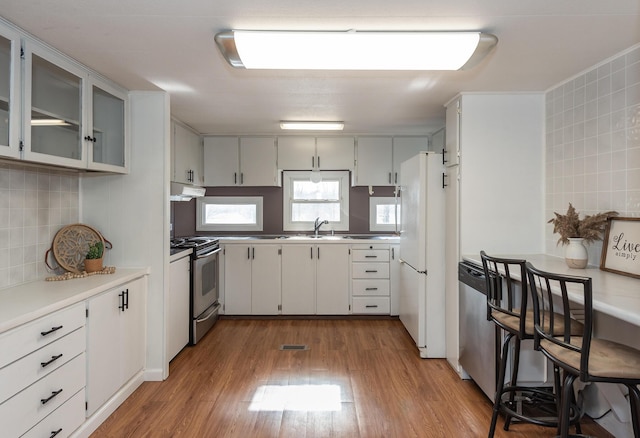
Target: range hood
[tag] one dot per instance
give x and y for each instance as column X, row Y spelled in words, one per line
column 185, row 192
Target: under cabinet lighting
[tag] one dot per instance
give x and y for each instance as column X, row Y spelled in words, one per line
column 49, row 122
column 255, row 49
column 312, row 126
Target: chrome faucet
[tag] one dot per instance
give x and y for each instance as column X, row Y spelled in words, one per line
column 318, row 223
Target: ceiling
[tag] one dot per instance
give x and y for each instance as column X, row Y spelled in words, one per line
column 168, row 44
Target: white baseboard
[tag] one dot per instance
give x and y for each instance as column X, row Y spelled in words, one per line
column 154, row 375
column 93, row 422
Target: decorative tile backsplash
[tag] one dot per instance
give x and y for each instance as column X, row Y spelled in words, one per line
column 34, row 204
column 593, row 144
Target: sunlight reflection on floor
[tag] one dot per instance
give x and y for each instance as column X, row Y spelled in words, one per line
column 296, row 398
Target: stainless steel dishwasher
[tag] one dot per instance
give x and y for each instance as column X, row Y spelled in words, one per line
column 478, row 336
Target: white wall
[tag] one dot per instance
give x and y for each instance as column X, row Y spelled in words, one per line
column 501, row 179
column 133, row 212
column 593, row 144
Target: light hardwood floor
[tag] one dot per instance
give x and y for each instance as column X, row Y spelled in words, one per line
column 222, row 386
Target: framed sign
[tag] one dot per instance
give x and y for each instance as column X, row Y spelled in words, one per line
column 621, row 246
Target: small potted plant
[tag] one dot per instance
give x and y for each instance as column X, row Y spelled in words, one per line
column 575, row 232
column 93, row 260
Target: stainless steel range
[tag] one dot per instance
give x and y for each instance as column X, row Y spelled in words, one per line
column 204, row 302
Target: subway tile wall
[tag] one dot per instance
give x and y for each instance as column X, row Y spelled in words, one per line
column 34, row 204
column 593, row 144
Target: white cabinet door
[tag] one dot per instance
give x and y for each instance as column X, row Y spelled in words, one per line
column 115, row 340
column 335, row 153
column 178, row 307
column 374, row 161
column 332, row 279
column 298, row 280
column 258, row 161
column 296, row 153
column 187, row 154
column 106, row 128
column 394, row 279
column 10, row 85
column 265, row 279
column 221, row 161
column 237, row 279
column 405, row 148
column 452, row 133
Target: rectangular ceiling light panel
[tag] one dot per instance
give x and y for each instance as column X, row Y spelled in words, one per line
column 353, row 50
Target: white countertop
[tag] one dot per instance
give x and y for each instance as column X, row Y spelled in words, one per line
column 26, row 302
column 613, row 294
column 323, row 238
column 179, row 254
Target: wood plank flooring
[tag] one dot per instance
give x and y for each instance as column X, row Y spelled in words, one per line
column 223, row 387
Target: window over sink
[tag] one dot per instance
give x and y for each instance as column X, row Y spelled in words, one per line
column 315, row 194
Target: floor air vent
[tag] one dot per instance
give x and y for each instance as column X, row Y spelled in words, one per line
column 293, row 347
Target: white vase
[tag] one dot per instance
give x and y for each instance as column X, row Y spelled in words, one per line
column 576, row 254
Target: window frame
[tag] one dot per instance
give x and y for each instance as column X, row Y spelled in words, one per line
column 201, row 203
column 288, row 177
column 373, row 204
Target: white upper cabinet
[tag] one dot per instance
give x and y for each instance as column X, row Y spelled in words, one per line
column 53, row 109
column 335, row 153
column 107, row 142
column 186, row 155
column 452, row 134
column 311, row 153
column 405, row 148
column 9, row 94
column 296, row 153
column 379, row 158
column 244, row 161
column 374, row 158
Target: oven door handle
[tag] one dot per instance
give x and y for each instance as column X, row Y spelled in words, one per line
column 207, row 254
column 210, row 314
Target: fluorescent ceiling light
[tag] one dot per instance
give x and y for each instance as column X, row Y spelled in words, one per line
column 48, row 122
column 312, row 126
column 352, row 50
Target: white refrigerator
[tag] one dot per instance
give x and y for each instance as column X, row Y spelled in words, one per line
column 422, row 285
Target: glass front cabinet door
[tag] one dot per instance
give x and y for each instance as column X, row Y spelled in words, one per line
column 70, row 118
column 107, row 142
column 9, row 94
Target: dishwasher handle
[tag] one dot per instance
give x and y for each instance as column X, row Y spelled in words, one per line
column 472, row 275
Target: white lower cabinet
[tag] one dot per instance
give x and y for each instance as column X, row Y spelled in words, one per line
column 394, row 279
column 370, row 279
column 315, row 279
column 252, row 279
column 115, row 340
column 42, row 368
column 178, row 306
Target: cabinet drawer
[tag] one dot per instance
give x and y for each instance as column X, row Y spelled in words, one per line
column 36, row 334
column 372, row 305
column 370, row 255
column 23, row 410
column 370, row 270
column 370, row 287
column 65, row 419
column 25, row 371
column 368, row 246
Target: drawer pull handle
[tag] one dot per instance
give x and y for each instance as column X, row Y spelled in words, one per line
column 371, row 288
column 53, row 359
column 44, row 401
column 371, row 271
column 55, row 432
column 53, row 329
column 371, row 257
column 371, row 306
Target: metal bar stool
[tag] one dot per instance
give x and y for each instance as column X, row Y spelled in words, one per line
column 584, row 357
column 506, row 308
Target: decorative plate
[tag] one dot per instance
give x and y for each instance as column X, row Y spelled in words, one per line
column 70, row 246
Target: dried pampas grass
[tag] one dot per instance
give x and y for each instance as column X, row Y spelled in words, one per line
column 569, row 225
